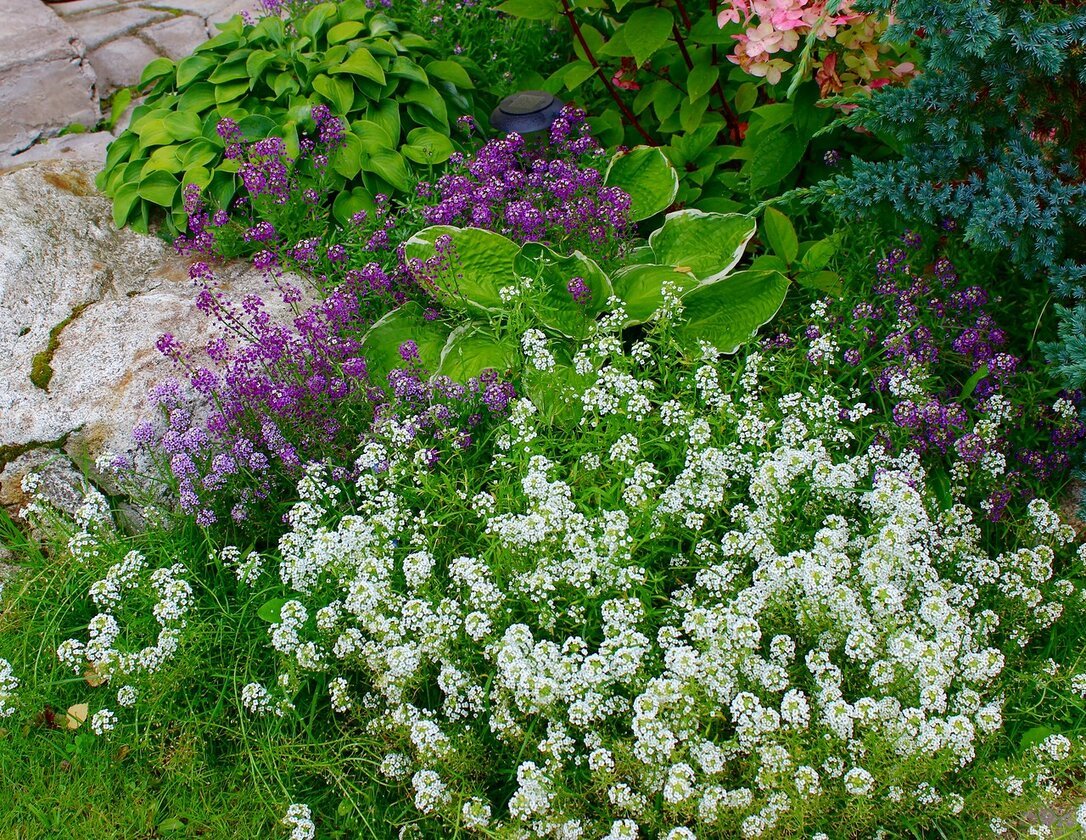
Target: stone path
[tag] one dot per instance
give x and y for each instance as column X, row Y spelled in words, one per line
column 58, row 62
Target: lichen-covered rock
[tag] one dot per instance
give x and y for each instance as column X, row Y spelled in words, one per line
column 81, row 307
column 41, row 485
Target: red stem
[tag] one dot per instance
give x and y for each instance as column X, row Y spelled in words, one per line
column 626, row 112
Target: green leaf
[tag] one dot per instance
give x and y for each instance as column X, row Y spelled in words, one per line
column 153, row 132
column 450, row 71
column 229, row 91
column 184, row 125
column 256, row 127
column 555, row 392
column 819, row 254
column 170, row 825
column 971, row 384
column 701, row 80
column 348, row 159
column 271, row 611
column 118, row 105
column 827, row 282
column 159, row 187
column 708, row 245
column 426, row 146
column 124, row 201
column 157, row 69
column 349, row 203
column 577, row 74
column 230, row 72
column 256, row 63
column 776, row 154
column 198, row 98
column 344, row 31
column 648, row 176
column 646, row 31
column 387, row 115
column 390, row 166
column 362, row 63
column 746, row 97
column 164, row 157
column 553, row 305
column 472, row 349
column 403, row 67
column 381, row 343
column 728, row 313
column 314, row 22
column 1033, row 736
column 338, row 92
column 641, row 287
column 781, row 234
column 530, row 9
column 479, row 263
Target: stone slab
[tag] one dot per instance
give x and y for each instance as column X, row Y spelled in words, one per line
column 40, row 52
column 178, row 37
column 120, row 63
column 89, row 147
column 78, row 7
column 98, row 28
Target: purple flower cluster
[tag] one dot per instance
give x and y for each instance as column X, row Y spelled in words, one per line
column 555, row 197
column 941, row 368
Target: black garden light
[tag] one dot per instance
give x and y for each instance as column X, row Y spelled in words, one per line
column 526, row 112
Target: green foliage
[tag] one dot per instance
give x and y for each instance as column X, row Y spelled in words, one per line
column 392, row 87
column 478, row 273
column 658, row 75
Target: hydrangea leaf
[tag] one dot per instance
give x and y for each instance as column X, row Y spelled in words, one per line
column 648, row 176
column 708, row 245
column 476, row 265
column 555, row 306
column 641, row 287
column 381, row 343
column 472, row 349
column 646, row 31
column 728, row 313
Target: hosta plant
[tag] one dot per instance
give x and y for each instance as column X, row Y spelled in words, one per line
column 390, row 86
column 497, row 288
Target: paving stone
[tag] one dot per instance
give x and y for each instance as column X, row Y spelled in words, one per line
column 89, row 147
column 98, row 28
column 229, row 10
column 120, row 63
column 203, row 8
column 40, row 53
column 178, row 37
column 80, row 6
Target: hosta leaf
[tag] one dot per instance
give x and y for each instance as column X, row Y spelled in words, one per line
column 641, row 287
column 728, row 313
column 472, row 349
column 479, row 263
column 554, row 306
column 184, row 125
column 426, row 146
column 157, row 69
column 338, row 92
column 344, row 31
column 191, row 68
column 159, row 187
column 648, row 176
column 314, row 22
column 362, row 63
column 450, row 71
column 381, row 343
column 708, row 245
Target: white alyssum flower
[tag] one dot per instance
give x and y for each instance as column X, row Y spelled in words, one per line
column 9, row 683
column 299, row 819
column 103, row 722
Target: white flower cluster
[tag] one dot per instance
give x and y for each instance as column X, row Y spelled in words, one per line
column 106, row 653
column 299, row 819
column 747, row 613
column 8, row 685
